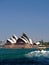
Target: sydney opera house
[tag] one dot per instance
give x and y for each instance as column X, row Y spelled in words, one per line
column 21, row 42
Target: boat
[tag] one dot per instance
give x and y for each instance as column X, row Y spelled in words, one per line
column 41, row 47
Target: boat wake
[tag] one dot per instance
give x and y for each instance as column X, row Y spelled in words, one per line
column 38, row 53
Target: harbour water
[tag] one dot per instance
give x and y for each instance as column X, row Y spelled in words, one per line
column 24, row 56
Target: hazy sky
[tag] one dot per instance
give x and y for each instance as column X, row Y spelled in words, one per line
column 30, row 16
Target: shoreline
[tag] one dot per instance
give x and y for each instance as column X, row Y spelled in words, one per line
column 24, row 47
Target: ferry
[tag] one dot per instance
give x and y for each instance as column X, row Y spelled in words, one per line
column 41, row 47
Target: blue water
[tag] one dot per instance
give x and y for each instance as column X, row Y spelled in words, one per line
column 24, row 57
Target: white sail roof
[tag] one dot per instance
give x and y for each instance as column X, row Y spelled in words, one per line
column 24, row 36
column 24, row 40
column 37, row 43
column 13, row 40
column 15, row 36
column 10, row 41
column 30, row 41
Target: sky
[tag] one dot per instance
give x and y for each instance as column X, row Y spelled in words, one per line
column 29, row 16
